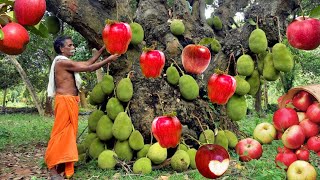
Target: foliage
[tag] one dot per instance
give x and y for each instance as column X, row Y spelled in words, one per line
column 9, row 76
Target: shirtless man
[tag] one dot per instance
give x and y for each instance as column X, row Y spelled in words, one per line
column 64, row 85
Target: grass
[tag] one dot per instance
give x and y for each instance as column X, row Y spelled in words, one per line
column 23, row 129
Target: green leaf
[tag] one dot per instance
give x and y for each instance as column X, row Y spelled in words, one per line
column 315, row 13
column 4, row 19
column 39, row 29
column 1, row 34
column 12, row 16
column 251, row 22
column 205, row 41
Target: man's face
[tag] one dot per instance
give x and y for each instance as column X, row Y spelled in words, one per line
column 68, row 49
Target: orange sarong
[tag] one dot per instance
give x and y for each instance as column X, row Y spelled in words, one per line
column 62, row 146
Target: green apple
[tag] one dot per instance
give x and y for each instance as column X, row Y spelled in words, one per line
column 264, row 133
column 301, row 170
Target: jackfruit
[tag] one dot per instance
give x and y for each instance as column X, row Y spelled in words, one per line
column 221, row 139
column 142, row 166
column 243, row 87
column 232, row 138
column 144, row 151
column 89, row 139
column 245, row 65
column 114, row 107
column 269, row 72
column 123, row 150
column 210, row 21
column 215, row 45
column 122, row 126
column 81, row 148
column 137, row 33
column 189, row 88
column 124, row 90
column 177, row 27
column 254, row 81
column 107, row 84
column 192, row 155
column 258, row 42
column 236, row 107
column 104, row 128
column 156, row 153
column 93, row 119
column 106, row 159
column 97, row 94
column 180, row 161
column 172, row 75
column 82, row 158
column 260, row 60
column 182, row 147
column 282, row 58
column 136, row 140
column 217, row 23
column 207, row 137
column 96, row 147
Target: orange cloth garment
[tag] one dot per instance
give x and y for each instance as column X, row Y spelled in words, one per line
column 62, row 147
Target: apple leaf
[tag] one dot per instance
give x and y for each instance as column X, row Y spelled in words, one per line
column 315, row 13
column 12, row 16
column 251, row 22
column 4, row 19
column 1, row 34
column 205, row 41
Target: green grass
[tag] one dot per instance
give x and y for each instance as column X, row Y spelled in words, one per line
column 23, row 129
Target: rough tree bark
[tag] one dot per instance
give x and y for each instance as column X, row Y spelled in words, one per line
column 88, row 17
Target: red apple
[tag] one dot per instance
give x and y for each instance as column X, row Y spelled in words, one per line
column 152, row 63
column 29, row 13
column 304, row 33
column 220, row 88
column 301, row 170
column 15, row 39
column 167, row 130
column 302, row 116
column 284, row 159
column 303, row 154
column 313, row 143
column 309, row 128
column 293, row 137
column 195, row 58
column 302, row 100
column 212, row 160
column 117, row 36
column 279, row 135
column 264, row 133
column 248, row 149
column 318, row 153
column 313, row 112
column 283, row 118
column 283, row 149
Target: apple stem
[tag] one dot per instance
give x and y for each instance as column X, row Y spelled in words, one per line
column 278, row 25
column 205, row 137
column 160, row 100
column 177, row 66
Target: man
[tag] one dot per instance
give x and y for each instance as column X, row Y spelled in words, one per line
column 64, row 85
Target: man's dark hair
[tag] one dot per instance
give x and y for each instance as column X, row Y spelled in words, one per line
column 59, row 42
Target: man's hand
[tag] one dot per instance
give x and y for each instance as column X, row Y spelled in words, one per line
column 103, row 48
column 113, row 57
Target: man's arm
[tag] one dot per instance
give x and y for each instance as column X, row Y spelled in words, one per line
column 94, row 57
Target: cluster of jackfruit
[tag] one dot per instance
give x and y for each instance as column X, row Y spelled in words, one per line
column 188, row 86
column 177, row 27
column 215, row 22
column 224, row 138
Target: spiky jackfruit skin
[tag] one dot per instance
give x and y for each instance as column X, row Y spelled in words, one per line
column 210, row 21
column 221, row 139
column 93, row 119
column 237, row 107
column 258, row 42
column 180, row 161
column 215, row 46
column 243, row 87
column 142, row 166
column 124, row 90
column 96, row 147
column 104, row 128
column 177, row 27
column 122, row 126
column 245, row 65
column 106, row 159
column 123, row 150
column 217, row 23
column 144, row 151
column 260, row 60
column 254, row 81
column 81, row 148
column 207, row 137
column 232, row 138
column 192, row 155
column 189, row 88
column 156, row 153
column 137, row 33
column 89, row 139
column 269, row 73
column 113, row 108
column 282, row 58
column 107, row 84
column 136, row 140
column 172, row 75
column 97, row 95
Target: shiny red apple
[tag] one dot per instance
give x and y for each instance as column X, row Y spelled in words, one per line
column 116, row 37
column 152, row 63
column 309, row 128
column 248, row 149
column 283, row 118
column 313, row 112
column 293, row 137
column 15, row 39
column 304, row 33
column 313, row 143
column 303, row 154
column 167, row 130
column 29, row 12
column 195, row 58
column 284, row 159
column 302, row 100
column 283, row 149
column 212, row 160
column 220, row 88
column 302, row 116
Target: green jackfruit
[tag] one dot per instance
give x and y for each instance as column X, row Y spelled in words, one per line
column 107, row 84
column 192, row 155
column 93, row 119
column 97, row 94
column 123, row 150
column 243, row 87
column 177, row 27
column 215, row 45
column 156, row 153
column 232, row 138
column 207, row 137
column 269, row 72
column 89, row 139
column 210, row 21
column 172, row 75
column 260, row 60
column 180, row 161
column 124, row 90
column 258, row 42
column 142, row 166
column 82, row 158
column 106, row 159
column 217, row 23
column 53, row 24
column 245, row 65
column 137, row 33
column 144, row 151
column 96, row 147
column 282, row 58
column 104, row 128
column 221, row 139
column 91, row 101
column 81, row 148
column 182, row 147
column 237, row 107
column 254, row 81
column 189, row 88
column 136, row 140
column 122, row 126
column 114, row 107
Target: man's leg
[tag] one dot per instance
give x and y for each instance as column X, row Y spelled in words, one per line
column 69, row 169
column 54, row 175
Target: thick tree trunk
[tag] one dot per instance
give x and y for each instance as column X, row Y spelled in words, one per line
column 28, row 84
